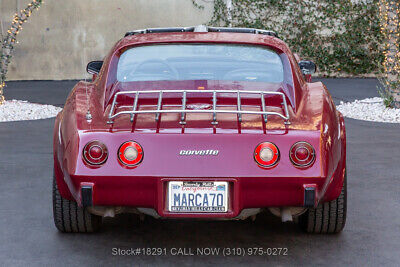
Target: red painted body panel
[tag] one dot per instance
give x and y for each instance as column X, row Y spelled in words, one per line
column 314, row 119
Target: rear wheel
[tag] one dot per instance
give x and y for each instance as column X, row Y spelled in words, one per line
column 70, row 218
column 328, row 217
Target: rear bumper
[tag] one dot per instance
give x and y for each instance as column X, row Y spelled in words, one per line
column 245, row 192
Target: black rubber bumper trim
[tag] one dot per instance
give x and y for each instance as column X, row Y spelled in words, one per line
column 309, row 197
column 87, row 196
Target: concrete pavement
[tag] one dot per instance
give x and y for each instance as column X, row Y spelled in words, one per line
column 28, row 237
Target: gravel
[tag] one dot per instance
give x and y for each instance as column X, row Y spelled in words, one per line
column 369, row 109
column 18, row 110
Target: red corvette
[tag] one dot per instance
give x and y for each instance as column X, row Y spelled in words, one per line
column 200, row 122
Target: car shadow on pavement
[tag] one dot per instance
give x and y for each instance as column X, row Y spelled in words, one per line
column 127, row 231
column 266, row 229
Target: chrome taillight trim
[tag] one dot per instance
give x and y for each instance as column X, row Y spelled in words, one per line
column 264, row 165
column 141, row 153
column 302, row 165
column 104, row 151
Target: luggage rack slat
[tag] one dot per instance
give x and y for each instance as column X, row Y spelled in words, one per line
column 214, row 111
column 158, row 105
column 183, row 108
column 214, row 122
column 265, row 117
column 135, row 105
column 239, row 106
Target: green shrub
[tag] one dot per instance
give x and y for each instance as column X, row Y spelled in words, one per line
column 341, row 36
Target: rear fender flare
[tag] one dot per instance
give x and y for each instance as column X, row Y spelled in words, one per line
column 337, row 180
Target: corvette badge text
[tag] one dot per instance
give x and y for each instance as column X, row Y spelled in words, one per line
column 208, row 152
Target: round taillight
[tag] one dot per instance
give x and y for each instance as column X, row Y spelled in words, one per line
column 95, row 153
column 130, row 154
column 266, row 154
column 302, row 154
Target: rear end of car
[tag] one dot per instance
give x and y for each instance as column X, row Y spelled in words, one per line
column 204, row 175
column 202, row 130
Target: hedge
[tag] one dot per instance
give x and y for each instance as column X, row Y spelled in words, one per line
column 341, row 36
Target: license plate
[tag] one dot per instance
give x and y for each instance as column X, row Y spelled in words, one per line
column 187, row 196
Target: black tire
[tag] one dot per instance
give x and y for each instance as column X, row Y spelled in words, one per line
column 328, row 217
column 70, row 218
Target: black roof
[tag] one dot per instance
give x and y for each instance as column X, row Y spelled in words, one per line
column 202, row 28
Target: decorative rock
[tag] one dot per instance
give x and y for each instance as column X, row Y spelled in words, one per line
column 18, row 110
column 369, row 109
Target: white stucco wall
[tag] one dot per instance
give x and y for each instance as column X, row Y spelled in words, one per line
column 60, row 38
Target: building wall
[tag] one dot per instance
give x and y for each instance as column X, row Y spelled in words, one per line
column 62, row 36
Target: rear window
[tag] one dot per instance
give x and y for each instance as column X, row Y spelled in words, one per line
column 200, row 62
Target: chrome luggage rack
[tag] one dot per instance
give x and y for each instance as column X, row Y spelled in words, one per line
column 214, row 109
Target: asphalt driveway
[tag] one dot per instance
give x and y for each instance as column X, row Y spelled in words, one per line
column 28, row 237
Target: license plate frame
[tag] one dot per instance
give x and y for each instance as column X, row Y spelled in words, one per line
column 213, row 191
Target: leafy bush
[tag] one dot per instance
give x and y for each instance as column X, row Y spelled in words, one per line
column 341, row 36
